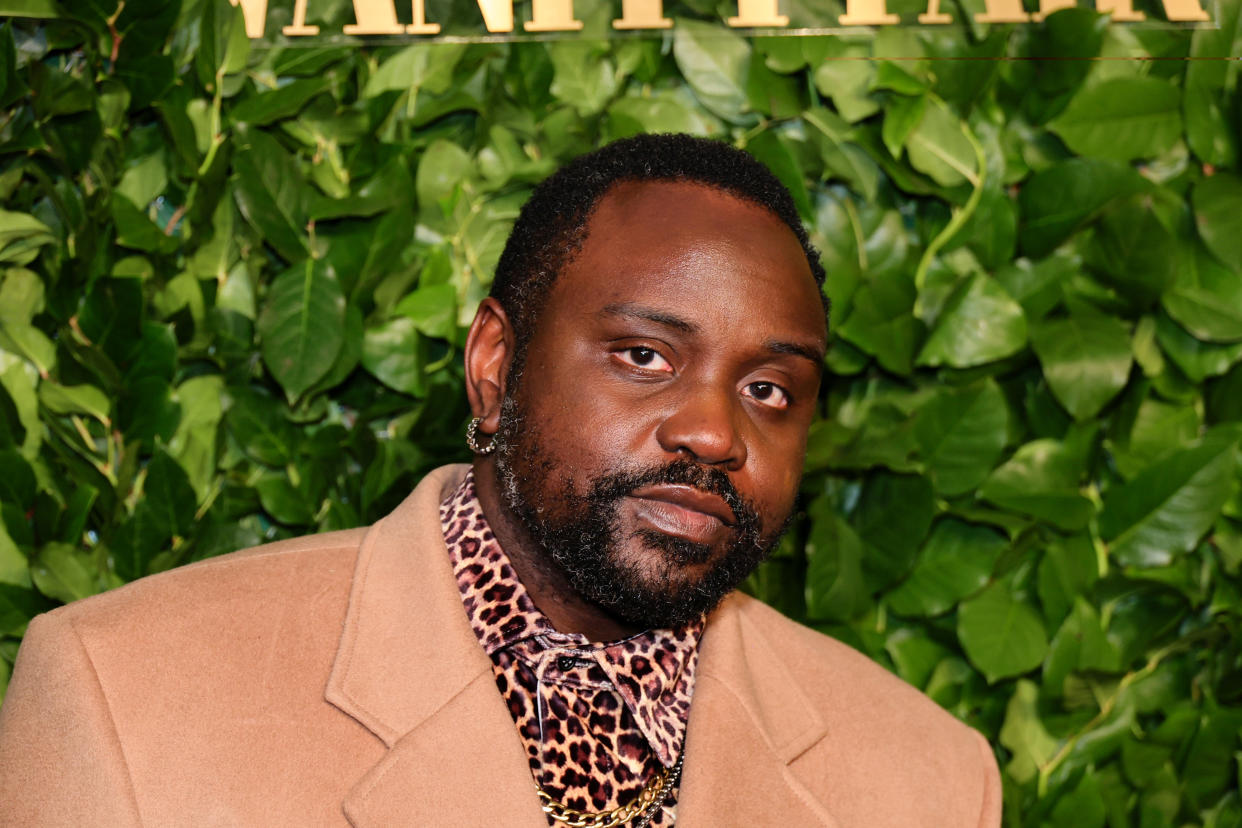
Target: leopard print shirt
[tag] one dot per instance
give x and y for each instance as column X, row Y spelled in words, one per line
column 597, row 720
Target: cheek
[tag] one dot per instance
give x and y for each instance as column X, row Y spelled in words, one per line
column 776, row 471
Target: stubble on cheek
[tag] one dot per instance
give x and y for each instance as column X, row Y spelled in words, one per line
column 646, row 576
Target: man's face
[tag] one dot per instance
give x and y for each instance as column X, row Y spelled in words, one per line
column 654, row 441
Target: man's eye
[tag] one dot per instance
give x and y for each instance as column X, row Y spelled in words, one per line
column 767, row 393
column 648, row 358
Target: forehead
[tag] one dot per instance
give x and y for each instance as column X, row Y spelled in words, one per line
column 718, row 260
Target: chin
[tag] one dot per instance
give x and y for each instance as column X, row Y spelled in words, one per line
column 665, row 582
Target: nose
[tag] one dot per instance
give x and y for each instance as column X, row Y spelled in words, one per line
column 706, row 425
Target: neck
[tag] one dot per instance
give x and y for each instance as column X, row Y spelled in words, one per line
column 543, row 578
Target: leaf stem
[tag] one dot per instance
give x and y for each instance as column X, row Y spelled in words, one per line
column 1109, row 704
column 956, row 221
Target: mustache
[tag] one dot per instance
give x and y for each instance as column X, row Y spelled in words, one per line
column 678, row 473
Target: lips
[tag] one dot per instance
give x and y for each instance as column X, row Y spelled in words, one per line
column 683, row 511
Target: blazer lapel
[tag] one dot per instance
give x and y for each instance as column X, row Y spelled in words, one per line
column 410, row 670
column 748, row 721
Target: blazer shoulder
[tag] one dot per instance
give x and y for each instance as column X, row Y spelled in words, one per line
column 832, row 672
column 884, row 740
column 270, row 573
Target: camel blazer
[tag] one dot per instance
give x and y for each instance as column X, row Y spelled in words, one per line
column 335, row 678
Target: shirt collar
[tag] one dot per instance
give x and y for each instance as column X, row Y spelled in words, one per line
column 650, row 670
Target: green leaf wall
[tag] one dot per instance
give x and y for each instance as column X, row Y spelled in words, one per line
column 236, row 282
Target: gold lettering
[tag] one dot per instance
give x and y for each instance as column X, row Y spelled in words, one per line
column 933, row 15
column 375, row 17
column 420, row 24
column 553, row 16
column 867, row 13
column 642, row 14
column 1003, row 11
column 1180, row 10
column 298, row 27
column 758, row 13
column 255, row 13
column 497, row 15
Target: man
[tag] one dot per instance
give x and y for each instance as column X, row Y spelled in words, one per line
column 551, row 626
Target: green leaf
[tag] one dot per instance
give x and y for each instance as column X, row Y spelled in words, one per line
column 841, row 156
column 14, row 568
column 65, row 573
column 939, row 148
column 1041, row 480
column 393, row 352
column 980, row 323
column 834, row 578
column 881, row 322
column 1197, row 359
column 260, row 427
column 1207, row 768
column 135, row 229
column 421, row 64
column 775, row 152
column 1122, row 119
column 1206, row 300
column 12, row 430
column 1028, row 741
column 168, row 494
column 442, row 169
column 75, row 399
column 1159, row 428
column 21, row 236
column 1002, row 635
column 224, row 46
column 302, row 325
column 583, row 79
column 961, row 433
column 21, row 296
column 1069, row 569
column 848, row 81
column 30, row 343
column 900, row 119
column 433, row 309
column 276, row 104
column 1218, row 203
column 1136, row 250
column 1080, row 645
column 894, row 514
column 17, row 606
column 193, row 444
column 271, row 193
column 145, row 180
column 1207, row 127
column 714, row 62
column 1057, row 200
column 282, row 500
column 1082, row 807
column 1086, row 360
column 663, row 111
column 955, row 562
column 1164, row 510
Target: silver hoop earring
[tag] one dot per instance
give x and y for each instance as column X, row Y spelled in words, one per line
column 472, row 438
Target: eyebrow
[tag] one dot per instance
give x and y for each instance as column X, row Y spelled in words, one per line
column 812, row 353
column 635, row 311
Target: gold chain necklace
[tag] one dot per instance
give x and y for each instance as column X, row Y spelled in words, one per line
column 652, row 796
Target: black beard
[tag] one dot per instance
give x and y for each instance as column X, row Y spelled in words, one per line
column 580, row 532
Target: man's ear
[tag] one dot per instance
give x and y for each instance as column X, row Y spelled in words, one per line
column 489, row 352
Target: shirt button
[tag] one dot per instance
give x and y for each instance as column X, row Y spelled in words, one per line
column 565, row 663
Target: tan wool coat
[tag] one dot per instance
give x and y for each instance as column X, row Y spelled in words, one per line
column 335, row 679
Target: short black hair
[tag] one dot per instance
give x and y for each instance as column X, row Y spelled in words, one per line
column 552, row 224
